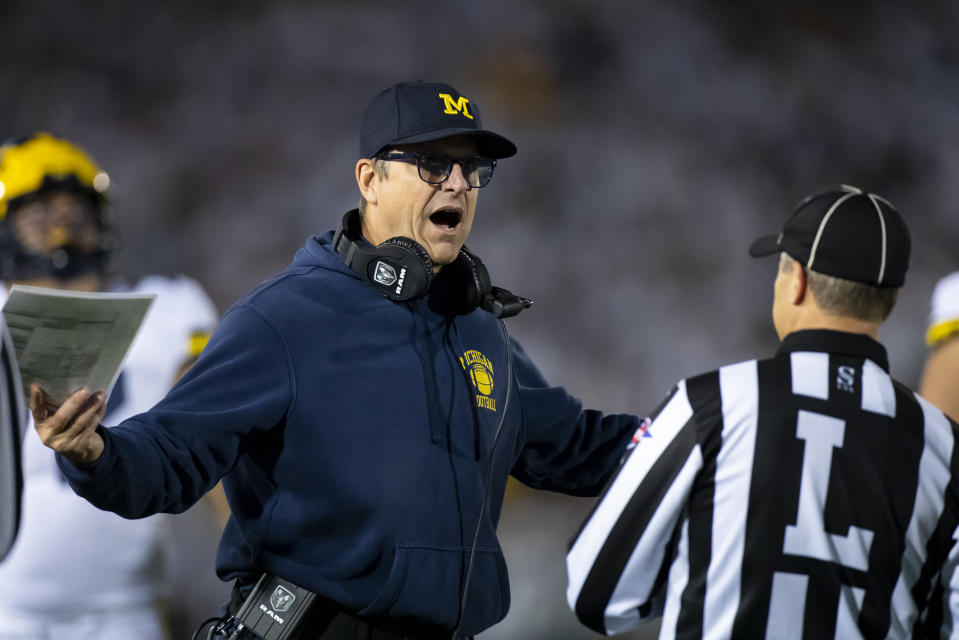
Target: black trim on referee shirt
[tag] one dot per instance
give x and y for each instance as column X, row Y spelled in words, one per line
column 770, row 505
column 902, row 499
column 835, row 342
column 619, row 545
column 929, row 587
column 705, row 398
column 612, row 476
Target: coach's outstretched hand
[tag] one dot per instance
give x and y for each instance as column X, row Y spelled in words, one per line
column 70, row 429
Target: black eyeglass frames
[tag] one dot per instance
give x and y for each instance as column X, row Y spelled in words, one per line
column 435, row 168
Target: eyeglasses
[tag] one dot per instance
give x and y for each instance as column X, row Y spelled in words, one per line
column 435, row 168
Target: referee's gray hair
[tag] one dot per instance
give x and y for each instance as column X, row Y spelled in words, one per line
column 841, row 297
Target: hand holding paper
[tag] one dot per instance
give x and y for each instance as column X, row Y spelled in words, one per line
column 71, row 429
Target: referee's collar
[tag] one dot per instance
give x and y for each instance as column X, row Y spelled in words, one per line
column 826, row 340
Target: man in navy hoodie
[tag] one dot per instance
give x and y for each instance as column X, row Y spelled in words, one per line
column 364, row 407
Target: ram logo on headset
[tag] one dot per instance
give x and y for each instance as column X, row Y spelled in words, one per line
column 384, row 274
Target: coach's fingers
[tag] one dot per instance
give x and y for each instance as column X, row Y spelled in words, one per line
column 87, row 418
column 38, row 403
column 71, row 429
column 49, row 422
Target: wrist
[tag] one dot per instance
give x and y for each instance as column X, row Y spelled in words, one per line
column 89, row 454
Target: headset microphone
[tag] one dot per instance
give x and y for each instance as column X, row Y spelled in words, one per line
column 503, row 304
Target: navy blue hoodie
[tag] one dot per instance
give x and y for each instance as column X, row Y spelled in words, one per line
column 353, row 435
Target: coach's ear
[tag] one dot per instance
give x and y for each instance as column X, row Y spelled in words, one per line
column 366, row 180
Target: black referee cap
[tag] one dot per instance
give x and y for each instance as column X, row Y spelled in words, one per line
column 411, row 112
column 847, row 233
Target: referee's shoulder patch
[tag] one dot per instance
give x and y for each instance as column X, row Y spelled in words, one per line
column 641, row 432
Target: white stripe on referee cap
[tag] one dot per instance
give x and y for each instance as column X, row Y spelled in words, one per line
column 850, row 192
column 882, row 225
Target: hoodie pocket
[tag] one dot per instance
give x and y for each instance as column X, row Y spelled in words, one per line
column 425, row 583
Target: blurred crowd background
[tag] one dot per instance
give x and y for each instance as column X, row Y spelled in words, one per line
column 656, row 141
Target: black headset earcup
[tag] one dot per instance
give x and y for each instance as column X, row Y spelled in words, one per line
column 467, row 282
column 401, row 269
column 413, row 247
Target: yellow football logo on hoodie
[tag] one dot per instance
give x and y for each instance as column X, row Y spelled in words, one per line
column 481, row 373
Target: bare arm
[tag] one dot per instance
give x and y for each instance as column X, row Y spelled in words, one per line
column 71, row 428
column 940, row 378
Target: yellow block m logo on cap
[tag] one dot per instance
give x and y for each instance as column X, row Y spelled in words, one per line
column 452, row 107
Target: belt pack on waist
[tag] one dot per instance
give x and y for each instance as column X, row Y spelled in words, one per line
column 277, row 609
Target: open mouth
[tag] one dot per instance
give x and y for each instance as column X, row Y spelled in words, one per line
column 446, row 218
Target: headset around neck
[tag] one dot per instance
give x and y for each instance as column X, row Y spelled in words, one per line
column 401, row 269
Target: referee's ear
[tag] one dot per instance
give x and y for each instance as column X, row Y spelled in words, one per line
column 799, row 283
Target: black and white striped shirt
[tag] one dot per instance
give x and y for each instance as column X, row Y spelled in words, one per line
column 805, row 496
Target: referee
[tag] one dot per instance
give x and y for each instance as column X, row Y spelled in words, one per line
column 808, row 495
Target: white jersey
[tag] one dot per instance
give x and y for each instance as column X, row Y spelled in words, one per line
column 71, row 558
column 944, row 314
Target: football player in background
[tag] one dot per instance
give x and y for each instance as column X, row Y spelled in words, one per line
column 77, row 572
column 940, row 377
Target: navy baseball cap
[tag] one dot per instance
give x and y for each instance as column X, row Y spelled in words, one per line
column 847, row 233
column 410, row 112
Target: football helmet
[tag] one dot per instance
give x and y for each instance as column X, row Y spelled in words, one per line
column 35, row 168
